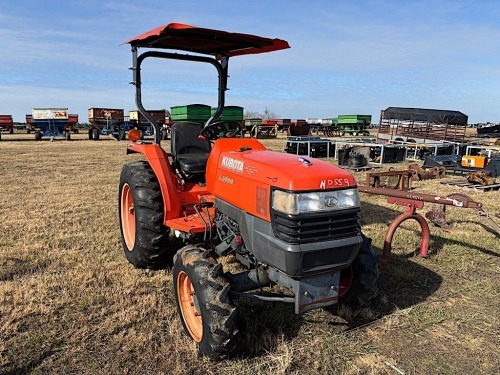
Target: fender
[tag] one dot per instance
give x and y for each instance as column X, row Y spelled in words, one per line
column 158, row 160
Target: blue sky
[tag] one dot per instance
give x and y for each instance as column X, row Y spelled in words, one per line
column 347, row 57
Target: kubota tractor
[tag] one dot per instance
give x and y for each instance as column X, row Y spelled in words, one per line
column 289, row 221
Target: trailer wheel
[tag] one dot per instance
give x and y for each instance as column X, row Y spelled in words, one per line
column 365, row 275
column 67, row 135
column 164, row 134
column 202, row 297
column 11, row 131
column 143, row 236
column 38, row 136
column 122, row 135
column 95, row 134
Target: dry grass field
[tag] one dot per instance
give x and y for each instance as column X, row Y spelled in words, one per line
column 71, row 304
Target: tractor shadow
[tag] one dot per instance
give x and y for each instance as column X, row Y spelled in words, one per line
column 265, row 326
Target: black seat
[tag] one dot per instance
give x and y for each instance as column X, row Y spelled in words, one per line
column 190, row 153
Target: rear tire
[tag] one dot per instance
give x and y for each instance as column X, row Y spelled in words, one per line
column 202, row 297
column 144, row 237
column 365, row 276
column 38, row 136
column 95, row 134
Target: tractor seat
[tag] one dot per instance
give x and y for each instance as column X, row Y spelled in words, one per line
column 190, row 154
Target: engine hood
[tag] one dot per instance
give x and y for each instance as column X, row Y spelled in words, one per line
column 285, row 171
column 242, row 172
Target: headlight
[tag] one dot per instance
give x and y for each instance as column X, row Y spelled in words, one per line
column 300, row 203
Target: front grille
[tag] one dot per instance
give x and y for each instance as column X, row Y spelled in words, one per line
column 316, row 227
column 326, row 257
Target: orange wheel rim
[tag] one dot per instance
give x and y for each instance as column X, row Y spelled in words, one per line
column 128, row 216
column 345, row 281
column 188, row 304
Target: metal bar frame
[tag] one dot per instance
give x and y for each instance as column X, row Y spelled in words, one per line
column 221, row 66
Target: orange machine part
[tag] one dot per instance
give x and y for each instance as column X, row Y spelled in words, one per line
column 178, row 200
column 473, row 161
column 241, row 172
column 158, row 159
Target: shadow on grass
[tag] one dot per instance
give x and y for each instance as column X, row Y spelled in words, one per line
column 265, row 325
column 38, row 359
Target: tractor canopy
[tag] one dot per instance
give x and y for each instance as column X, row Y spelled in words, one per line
column 178, row 36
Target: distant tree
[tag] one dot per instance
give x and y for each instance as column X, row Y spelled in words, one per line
column 252, row 114
column 267, row 115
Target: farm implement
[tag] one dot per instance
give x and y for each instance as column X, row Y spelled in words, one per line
column 51, row 122
column 287, row 220
column 6, row 124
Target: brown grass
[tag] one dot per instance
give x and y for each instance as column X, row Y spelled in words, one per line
column 71, row 304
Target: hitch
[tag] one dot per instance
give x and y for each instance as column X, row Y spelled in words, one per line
column 412, row 201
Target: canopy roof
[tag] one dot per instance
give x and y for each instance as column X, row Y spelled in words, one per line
column 178, row 36
column 436, row 116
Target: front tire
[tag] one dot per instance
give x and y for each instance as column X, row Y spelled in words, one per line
column 365, row 275
column 144, row 237
column 202, row 297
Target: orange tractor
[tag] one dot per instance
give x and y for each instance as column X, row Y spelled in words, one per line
column 288, row 220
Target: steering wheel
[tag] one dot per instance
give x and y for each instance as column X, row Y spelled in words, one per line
column 221, row 129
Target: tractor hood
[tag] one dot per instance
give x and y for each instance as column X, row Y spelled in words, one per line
column 245, row 177
column 286, row 171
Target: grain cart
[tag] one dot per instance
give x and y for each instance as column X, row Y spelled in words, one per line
column 354, row 125
column 230, row 113
column 73, row 122
column 6, row 124
column 50, row 122
column 140, row 122
column 288, row 220
column 106, row 121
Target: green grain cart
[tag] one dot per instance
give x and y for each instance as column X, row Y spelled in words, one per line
column 352, row 124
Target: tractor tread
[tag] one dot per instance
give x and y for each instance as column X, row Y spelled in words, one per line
column 151, row 248
column 217, row 310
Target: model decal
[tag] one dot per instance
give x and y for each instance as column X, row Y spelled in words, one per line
column 250, row 169
column 225, row 179
column 233, row 164
column 334, row 182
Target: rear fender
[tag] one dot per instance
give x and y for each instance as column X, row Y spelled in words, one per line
column 158, row 160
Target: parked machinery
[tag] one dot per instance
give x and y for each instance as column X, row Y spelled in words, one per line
column 140, row 122
column 352, row 125
column 6, row 124
column 106, row 121
column 49, row 122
